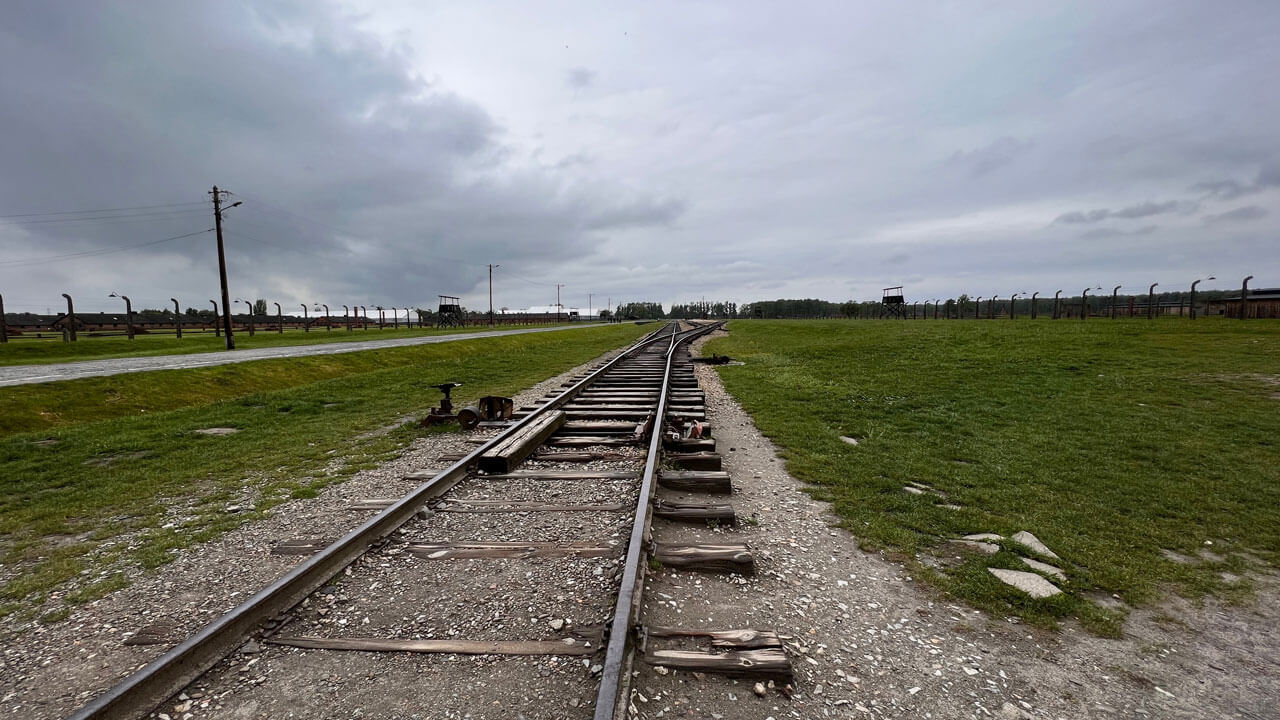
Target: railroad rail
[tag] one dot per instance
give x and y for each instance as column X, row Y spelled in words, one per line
column 646, row 396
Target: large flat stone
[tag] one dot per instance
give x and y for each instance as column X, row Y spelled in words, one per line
column 981, row 547
column 984, row 536
column 1029, row 583
column 1034, row 543
column 1045, row 568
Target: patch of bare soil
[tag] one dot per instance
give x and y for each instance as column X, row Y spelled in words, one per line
column 867, row 640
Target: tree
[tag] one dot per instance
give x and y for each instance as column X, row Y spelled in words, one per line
column 259, row 307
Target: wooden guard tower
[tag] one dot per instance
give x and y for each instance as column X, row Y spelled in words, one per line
column 892, row 303
column 450, row 312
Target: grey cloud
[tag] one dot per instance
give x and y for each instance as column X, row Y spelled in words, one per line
column 638, row 213
column 1001, row 152
column 1141, row 210
column 356, row 176
column 1106, row 232
column 1240, row 214
column 1223, row 189
column 580, row 77
column 1146, row 209
column 1268, row 177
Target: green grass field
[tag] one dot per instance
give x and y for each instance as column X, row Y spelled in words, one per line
column 85, row 461
column 32, row 351
column 1109, row 440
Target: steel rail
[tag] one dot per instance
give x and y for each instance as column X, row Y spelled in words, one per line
column 614, row 675
column 140, row 693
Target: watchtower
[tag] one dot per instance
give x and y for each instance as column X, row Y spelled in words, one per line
column 450, row 312
column 892, row 302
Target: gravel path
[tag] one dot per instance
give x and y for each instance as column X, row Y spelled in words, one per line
column 30, row 374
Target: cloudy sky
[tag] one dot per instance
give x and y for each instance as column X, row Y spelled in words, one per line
column 387, row 152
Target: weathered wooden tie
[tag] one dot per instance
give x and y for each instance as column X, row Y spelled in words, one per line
column 771, row 663
column 690, row 445
column 508, row 550
column 306, row 546
column 719, row 513
column 708, row 481
column 509, row 506
column 564, row 475
column 566, row 646
column 734, row 558
column 512, row 451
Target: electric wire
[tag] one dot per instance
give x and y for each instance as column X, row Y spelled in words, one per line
column 102, row 251
column 102, row 210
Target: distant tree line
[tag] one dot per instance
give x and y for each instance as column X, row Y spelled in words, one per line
column 704, row 310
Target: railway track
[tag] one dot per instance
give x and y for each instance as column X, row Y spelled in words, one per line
column 555, row 509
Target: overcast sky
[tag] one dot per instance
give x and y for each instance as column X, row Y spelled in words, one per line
column 385, row 153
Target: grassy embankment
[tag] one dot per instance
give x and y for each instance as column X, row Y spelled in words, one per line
column 22, row 350
column 1110, row 441
column 84, row 462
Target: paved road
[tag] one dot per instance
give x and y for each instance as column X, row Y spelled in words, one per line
column 30, row 374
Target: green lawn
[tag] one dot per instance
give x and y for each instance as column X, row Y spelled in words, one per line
column 88, row 460
column 1109, row 440
column 22, row 350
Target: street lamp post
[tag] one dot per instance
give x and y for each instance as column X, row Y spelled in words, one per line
column 991, row 307
column 306, row 321
column 977, row 308
column 935, row 308
column 1013, row 297
column 1193, row 295
column 1084, row 302
column 364, row 324
column 1151, row 300
column 1244, row 298
column 128, row 313
column 246, row 302
column 395, row 318
column 1114, row 294
column 71, row 318
column 1056, row 305
column 279, row 319
column 408, row 320
column 491, row 267
column 4, row 326
column 217, row 328
column 328, row 324
column 177, row 317
column 1033, row 304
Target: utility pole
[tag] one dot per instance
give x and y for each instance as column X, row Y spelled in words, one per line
column 558, row 306
column 222, row 268
column 491, row 267
column 589, row 315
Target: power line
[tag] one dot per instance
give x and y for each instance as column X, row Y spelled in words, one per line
column 102, row 210
column 105, row 219
column 103, row 251
column 531, row 282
